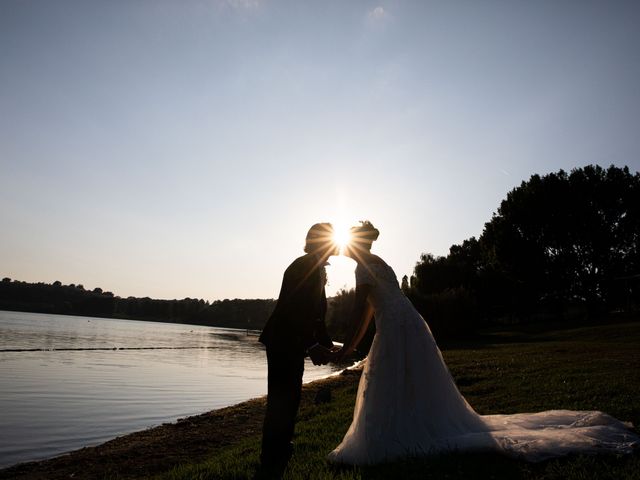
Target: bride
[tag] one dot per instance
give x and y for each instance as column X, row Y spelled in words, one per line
column 408, row 404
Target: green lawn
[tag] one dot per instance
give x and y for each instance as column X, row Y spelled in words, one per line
column 590, row 368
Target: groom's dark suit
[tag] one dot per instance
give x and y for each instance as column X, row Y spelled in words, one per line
column 296, row 324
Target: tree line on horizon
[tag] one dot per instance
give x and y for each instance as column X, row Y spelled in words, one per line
column 563, row 246
column 74, row 299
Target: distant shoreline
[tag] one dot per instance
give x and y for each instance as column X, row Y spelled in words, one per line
column 75, row 300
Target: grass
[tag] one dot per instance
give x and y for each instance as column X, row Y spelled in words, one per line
column 590, row 368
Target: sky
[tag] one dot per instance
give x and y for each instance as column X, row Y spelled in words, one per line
column 178, row 149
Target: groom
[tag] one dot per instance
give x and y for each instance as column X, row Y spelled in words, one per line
column 295, row 329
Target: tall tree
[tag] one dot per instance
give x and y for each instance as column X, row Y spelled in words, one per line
column 555, row 240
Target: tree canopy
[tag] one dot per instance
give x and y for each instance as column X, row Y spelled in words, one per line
column 557, row 242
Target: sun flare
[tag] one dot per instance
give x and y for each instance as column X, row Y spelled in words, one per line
column 341, row 235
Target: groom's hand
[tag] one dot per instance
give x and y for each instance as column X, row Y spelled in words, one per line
column 319, row 355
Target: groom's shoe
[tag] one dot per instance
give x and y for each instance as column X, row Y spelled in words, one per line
column 271, row 470
column 288, row 451
column 274, row 463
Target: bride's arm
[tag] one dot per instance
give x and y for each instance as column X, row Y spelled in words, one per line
column 360, row 319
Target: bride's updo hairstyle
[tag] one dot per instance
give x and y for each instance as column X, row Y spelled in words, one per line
column 364, row 235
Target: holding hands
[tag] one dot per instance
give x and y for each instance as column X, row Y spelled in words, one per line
column 336, row 354
column 321, row 355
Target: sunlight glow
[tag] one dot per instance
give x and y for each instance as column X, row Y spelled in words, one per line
column 341, row 234
column 340, row 272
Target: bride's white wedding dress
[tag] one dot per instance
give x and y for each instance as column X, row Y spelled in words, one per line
column 408, row 403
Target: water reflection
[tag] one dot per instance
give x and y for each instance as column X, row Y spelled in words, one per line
column 70, row 382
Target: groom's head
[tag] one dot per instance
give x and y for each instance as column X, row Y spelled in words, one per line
column 320, row 240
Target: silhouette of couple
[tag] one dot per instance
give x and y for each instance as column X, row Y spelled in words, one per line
column 407, row 402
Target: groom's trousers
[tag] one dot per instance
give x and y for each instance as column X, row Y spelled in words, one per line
column 285, row 369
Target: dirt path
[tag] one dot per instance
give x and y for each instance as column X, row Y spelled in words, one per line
column 158, row 449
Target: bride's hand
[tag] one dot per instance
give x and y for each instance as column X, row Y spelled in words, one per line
column 337, row 353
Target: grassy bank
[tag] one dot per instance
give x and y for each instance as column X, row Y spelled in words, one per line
column 593, row 368
column 590, row 368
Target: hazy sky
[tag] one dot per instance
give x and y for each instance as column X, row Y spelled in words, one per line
column 183, row 148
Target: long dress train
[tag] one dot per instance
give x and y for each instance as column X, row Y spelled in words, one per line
column 408, row 403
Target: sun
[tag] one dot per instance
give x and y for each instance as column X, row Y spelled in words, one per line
column 341, row 235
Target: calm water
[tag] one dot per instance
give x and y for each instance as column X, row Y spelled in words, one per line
column 68, row 382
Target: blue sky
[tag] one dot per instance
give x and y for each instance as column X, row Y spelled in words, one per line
column 176, row 149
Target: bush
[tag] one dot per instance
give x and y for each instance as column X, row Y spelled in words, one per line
column 451, row 313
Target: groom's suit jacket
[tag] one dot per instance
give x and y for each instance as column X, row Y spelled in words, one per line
column 297, row 321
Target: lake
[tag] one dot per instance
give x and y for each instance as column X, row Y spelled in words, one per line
column 69, row 382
